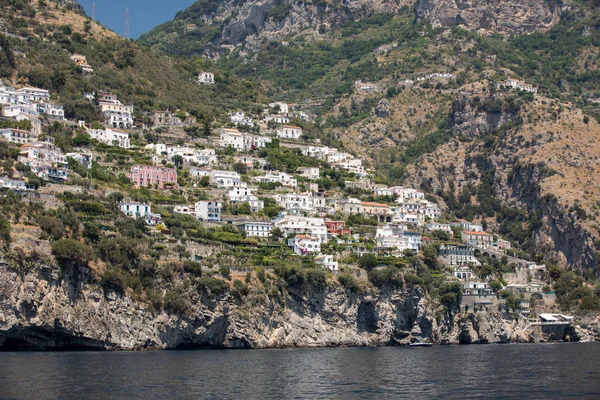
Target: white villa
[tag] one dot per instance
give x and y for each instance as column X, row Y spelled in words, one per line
column 258, row 229
column 289, row 132
column 304, row 244
column 296, row 225
column 112, row 137
column 231, row 137
column 206, row 78
column 208, row 211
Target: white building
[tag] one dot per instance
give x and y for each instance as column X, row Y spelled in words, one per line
column 252, row 142
column 294, row 203
column 289, row 132
column 45, row 160
column 326, row 261
column 185, row 209
column 118, row 119
column 112, row 137
column 457, row 255
column 136, row 210
column 15, row 135
column 239, row 118
column 33, row 94
column 309, row 172
column 209, row 211
column 55, row 111
column 278, row 119
column 278, row 177
column 231, row 137
column 206, row 78
column 398, row 237
column 304, row 244
column 296, row 225
column 436, row 226
column 257, row 229
column 226, row 179
column 283, row 107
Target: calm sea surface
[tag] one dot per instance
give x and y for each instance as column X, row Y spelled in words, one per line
column 461, row 372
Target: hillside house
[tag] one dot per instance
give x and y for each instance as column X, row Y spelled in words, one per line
column 397, row 237
column 15, row 135
column 436, row 226
column 231, row 137
column 45, row 160
column 140, row 210
column 278, row 119
column 326, row 261
column 289, row 132
column 309, row 172
column 304, row 244
column 297, row 224
column 255, row 229
column 33, row 94
column 253, row 142
column 280, row 107
column 81, row 60
column 226, row 179
column 477, row 296
column 479, row 239
column 206, row 78
column 278, row 177
column 239, row 118
column 111, row 137
column 458, row 255
column 338, row 228
column 150, row 175
column 209, row 211
column 295, row 203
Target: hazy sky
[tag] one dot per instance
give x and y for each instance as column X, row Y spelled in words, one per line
column 143, row 14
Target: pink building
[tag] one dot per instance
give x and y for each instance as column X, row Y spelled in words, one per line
column 148, row 175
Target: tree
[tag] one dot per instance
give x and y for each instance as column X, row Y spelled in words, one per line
column 177, row 161
column 4, row 231
column 240, row 168
column 368, row 261
column 72, row 254
column 276, row 233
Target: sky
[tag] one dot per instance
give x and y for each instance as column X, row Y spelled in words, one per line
column 143, row 14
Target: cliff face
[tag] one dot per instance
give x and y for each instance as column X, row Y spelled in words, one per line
column 536, row 152
column 43, row 312
column 490, row 16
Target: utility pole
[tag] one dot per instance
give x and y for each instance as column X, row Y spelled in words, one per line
column 127, row 34
column 94, row 12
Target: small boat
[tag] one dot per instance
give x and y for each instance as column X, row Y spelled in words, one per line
column 420, row 344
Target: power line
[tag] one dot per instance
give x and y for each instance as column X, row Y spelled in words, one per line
column 127, row 33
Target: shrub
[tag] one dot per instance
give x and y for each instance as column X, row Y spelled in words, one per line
column 387, row 277
column 368, row 261
column 225, row 272
column 71, row 254
column 174, row 301
column 192, row 268
column 348, row 281
column 240, row 287
column 214, row 286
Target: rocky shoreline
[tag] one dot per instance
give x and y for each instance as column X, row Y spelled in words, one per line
column 42, row 312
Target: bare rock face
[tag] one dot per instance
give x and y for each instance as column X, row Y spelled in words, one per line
column 382, row 109
column 506, row 17
column 40, row 312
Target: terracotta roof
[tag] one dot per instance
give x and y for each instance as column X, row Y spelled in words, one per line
column 477, row 233
column 370, row 204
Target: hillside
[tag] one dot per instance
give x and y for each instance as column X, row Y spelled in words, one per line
column 259, row 204
column 44, row 36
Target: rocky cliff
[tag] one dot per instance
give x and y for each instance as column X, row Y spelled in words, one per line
column 41, row 311
column 534, row 151
column 490, row 16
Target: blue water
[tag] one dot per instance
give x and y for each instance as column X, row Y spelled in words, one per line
column 457, row 372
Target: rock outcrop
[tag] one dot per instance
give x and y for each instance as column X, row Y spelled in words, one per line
column 490, row 16
column 39, row 312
